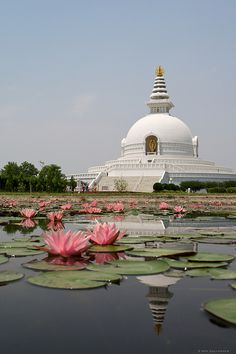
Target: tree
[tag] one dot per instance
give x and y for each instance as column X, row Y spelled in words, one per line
column 10, row 173
column 120, row 185
column 28, row 172
column 72, row 184
column 51, row 179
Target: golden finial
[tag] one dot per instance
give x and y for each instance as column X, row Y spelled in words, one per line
column 160, row 71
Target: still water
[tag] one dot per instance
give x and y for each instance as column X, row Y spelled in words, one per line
column 130, row 318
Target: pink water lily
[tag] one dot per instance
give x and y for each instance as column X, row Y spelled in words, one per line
column 105, row 234
column 28, row 213
column 55, row 215
column 66, row 244
column 66, row 206
column 94, row 203
column 164, row 206
column 179, row 209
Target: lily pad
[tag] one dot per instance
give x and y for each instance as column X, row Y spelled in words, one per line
column 73, row 279
column 178, row 274
column 220, row 274
column 46, row 266
column 224, row 309
column 131, row 267
column 7, row 276
column 3, row 259
column 192, row 265
column 184, row 236
column 157, row 252
column 20, row 244
column 138, row 239
column 210, row 257
column 216, row 241
column 233, row 285
column 201, row 272
column 223, row 274
column 20, row 252
column 108, row 248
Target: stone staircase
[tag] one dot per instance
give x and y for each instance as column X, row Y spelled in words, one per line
column 135, row 183
column 146, row 183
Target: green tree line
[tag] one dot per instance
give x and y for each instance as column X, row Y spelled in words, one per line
column 27, row 178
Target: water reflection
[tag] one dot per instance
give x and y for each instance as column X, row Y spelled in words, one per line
column 158, row 297
column 148, row 224
column 102, row 258
column 55, row 225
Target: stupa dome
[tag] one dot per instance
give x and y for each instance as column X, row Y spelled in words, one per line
column 170, row 132
column 158, row 133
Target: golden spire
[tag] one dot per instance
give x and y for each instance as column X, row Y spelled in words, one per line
column 159, row 71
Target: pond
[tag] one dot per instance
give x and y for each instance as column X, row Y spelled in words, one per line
column 141, row 314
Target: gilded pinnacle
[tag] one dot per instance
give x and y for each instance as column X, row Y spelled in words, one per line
column 160, row 71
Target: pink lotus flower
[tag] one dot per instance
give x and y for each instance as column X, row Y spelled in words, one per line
column 55, row 215
column 28, row 213
column 105, row 234
column 42, row 204
column 179, row 209
column 119, row 207
column 66, row 206
column 164, row 206
column 94, row 203
column 133, row 203
column 66, row 244
column 12, row 202
column 109, row 206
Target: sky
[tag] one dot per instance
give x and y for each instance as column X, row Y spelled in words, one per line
column 75, row 76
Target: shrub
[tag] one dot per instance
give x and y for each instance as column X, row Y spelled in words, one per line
column 231, row 190
column 216, row 190
column 157, row 187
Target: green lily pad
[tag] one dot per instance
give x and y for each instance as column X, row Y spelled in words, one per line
column 223, row 274
column 46, row 266
column 108, row 248
column 210, row 257
column 131, row 267
column 20, row 244
column 3, row 259
column 192, row 265
column 7, row 276
column 233, row 285
column 224, row 309
column 178, row 274
column 201, row 272
column 73, row 279
column 220, row 274
column 20, row 252
column 138, row 239
column 157, row 252
column 216, row 241
column 184, row 236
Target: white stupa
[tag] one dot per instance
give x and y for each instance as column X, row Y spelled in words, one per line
column 158, row 148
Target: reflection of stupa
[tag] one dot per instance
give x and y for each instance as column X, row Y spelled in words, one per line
column 157, row 148
column 158, row 297
column 158, row 301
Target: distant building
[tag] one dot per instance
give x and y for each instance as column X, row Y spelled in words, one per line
column 158, row 148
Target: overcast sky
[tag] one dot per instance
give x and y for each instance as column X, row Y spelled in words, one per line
column 75, row 75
